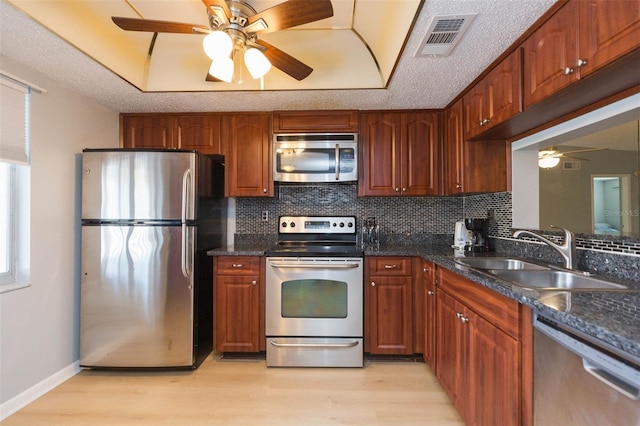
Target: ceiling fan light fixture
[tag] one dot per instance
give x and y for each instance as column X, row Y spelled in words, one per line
column 222, row 69
column 217, row 45
column 548, row 162
column 257, row 64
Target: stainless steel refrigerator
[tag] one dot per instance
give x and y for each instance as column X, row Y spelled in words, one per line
column 148, row 218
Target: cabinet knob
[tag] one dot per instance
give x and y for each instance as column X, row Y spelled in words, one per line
column 404, row 189
column 254, row 282
column 484, row 122
column 373, row 284
column 568, row 70
column 237, row 265
column 264, row 190
column 581, row 63
column 397, row 189
column 458, row 186
column 425, row 269
column 462, row 317
column 430, row 293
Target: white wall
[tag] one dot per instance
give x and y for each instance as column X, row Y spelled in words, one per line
column 39, row 325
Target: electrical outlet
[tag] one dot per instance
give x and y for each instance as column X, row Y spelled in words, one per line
column 265, row 216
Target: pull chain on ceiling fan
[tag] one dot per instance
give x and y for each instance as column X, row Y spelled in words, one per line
column 234, row 29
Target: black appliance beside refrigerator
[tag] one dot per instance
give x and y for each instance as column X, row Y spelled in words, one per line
column 148, row 219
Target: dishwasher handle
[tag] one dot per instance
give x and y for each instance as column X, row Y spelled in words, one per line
column 621, row 374
column 624, row 387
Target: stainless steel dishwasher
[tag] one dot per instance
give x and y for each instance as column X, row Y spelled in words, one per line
column 580, row 381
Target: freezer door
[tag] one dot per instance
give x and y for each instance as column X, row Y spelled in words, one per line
column 137, row 305
column 138, row 185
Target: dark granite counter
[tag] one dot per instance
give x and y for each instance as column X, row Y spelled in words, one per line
column 612, row 317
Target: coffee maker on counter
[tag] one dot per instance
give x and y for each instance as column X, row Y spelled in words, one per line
column 479, row 230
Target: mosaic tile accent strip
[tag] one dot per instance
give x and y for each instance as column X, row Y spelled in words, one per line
column 396, row 215
column 399, row 217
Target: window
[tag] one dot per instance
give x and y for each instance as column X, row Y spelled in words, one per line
column 14, row 183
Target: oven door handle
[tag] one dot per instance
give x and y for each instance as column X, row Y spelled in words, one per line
column 314, row 345
column 315, row 266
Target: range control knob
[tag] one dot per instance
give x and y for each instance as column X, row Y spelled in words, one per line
column 333, row 224
column 341, row 224
column 350, row 224
column 284, row 224
column 293, row 224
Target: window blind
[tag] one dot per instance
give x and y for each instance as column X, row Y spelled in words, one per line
column 14, row 121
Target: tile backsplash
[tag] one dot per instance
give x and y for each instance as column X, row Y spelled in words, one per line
column 405, row 219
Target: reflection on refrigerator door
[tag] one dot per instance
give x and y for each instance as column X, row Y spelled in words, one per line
column 137, row 306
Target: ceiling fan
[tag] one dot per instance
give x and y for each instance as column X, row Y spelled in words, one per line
column 234, row 26
column 550, row 156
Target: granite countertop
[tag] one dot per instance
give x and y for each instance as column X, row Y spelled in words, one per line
column 611, row 317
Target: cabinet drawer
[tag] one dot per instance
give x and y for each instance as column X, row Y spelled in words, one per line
column 315, row 121
column 390, row 266
column 499, row 310
column 237, row 265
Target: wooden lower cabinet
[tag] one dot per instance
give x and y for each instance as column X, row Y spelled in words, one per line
column 388, row 302
column 479, row 357
column 238, row 292
column 429, row 330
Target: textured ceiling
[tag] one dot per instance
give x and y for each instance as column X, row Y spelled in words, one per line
column 416, row 82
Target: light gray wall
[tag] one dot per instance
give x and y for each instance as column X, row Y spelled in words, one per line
column 39, row 325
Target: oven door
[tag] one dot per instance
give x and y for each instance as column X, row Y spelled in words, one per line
column 314, row 297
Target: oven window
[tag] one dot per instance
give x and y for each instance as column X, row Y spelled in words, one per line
column 314, row 298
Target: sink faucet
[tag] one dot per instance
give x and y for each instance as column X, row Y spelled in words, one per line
column 567, row 249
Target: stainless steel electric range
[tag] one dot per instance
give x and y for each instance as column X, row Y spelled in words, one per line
column 314, row 294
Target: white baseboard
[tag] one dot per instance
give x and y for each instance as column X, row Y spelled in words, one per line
column 36, row 391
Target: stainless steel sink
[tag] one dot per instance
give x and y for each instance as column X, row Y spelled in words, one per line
column 499, row 263
column 554, row 280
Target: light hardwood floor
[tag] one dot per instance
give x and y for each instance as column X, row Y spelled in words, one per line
column 239, row 392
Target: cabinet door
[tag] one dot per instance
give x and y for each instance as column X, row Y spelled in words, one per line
column 380, row 135
column 451, row 356
column 475, row 110
column 315, row 121
column 429, row 309
column 390, row 315
column 550, row 54
column 199, row 132
column 453, row 154
column 608, row 29
column 419, row 165
column 503, row 91
column 494, row 389
column 237, row 313
column 148, row 131
column 248, row 155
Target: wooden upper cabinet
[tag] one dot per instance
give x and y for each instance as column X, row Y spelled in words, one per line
column 337, row 121
column 579, row 38
column 608, row 30
column 399, row 154
column 148, row 131
column 247, row 139
column 453, row 143
column 496, row 98
column 199, row 132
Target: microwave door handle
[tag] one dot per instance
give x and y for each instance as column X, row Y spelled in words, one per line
column 337, row 162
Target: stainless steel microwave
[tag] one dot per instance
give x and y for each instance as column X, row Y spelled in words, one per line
column 315, row 157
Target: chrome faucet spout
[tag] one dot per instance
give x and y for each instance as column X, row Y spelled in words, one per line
column 567, row 249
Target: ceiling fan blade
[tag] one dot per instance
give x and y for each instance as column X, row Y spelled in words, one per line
column 150, row 25
column 285, row 62
column 292, row 13
column 218, row 5
column 585, row 150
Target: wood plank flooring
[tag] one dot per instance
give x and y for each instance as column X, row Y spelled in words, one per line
column 240, row 392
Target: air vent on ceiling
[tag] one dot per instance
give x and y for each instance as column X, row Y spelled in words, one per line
column 571, row 165
column 443, row 34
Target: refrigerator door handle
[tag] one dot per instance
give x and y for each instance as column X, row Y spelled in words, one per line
column 186, row 185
